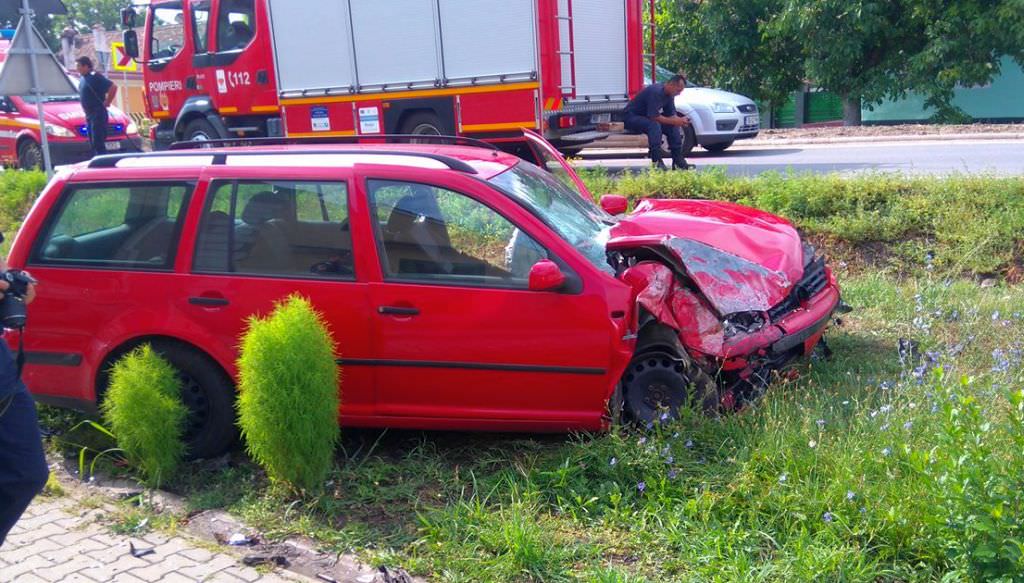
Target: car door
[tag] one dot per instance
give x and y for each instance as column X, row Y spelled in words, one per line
column 461, row 342
column 276, row 233
column 9, row 129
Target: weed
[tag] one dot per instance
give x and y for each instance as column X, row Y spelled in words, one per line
column 144, row 411
column 288, row 407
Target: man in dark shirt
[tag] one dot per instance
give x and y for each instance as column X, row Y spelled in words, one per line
column 96, row 93
column 653, row 112
column 23, row 469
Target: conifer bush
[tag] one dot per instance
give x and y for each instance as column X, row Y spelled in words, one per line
column 288, row 406
column 144, row 411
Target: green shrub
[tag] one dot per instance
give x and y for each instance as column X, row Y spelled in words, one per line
column 18, row 190
column 288, row 407
column 143, row 409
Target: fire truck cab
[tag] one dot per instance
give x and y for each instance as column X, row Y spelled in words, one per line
column 253, row 68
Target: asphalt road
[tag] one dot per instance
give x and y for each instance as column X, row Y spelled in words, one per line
column 999, row 157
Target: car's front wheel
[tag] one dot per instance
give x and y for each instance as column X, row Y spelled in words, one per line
column 719, row 147
column 662, row 379
column 30, row 155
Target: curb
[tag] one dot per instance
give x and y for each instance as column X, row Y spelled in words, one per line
column 626, row 148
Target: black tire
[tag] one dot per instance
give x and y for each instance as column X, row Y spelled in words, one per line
column 719, row 147
column 30, row 155
column 689, row 143
column 200, row 130
column 209, row 395
column 662, row 378
column 572, row 151
column 423, row 124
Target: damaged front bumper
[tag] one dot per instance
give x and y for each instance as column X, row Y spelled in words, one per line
column 740, row 322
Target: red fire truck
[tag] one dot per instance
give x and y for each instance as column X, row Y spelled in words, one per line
column 323, row 68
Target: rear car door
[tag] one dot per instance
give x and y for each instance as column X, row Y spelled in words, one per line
column 275, row 233
column 461, row 342
column 111, row 246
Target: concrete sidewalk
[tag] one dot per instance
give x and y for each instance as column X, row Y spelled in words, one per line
column 54, row 542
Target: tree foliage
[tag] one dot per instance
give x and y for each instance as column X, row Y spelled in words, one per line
column 863, row 50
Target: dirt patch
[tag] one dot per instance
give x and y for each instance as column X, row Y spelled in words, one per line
column 887, row 131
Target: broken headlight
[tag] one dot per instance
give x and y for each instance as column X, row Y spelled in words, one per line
column 742, row 323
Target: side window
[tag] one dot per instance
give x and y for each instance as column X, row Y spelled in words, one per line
column 276, row 228
column 168, row 36
column 135, row 225
column 235, row 24
column 433, row 234
column 201, row 26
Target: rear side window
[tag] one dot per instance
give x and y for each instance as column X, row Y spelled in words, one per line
column 277, row 228
column 235, row 24
column 116, row 225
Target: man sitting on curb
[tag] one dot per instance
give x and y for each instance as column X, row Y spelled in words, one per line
column 653, row 112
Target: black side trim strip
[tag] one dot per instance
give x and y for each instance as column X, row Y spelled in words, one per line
column 54, row 358
column 83, row 405
column 471, row 366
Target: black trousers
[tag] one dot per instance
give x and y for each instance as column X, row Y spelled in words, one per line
column 98, row 132
column 654, row 131
column 23, row 470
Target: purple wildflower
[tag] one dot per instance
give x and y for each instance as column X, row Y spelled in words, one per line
column 613, row 461
column 821, row 424
column 689, row 443
column 672, row 474
column 827, row 517
column 850, row 495
column 641, row 486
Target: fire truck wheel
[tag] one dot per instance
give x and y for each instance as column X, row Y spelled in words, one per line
column 422, row 124
column 200, row 130
column 30, row 155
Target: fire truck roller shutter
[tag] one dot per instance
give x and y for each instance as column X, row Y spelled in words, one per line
column 500, row 39
column 313, row 46
column 599, row 40
column 396, row 43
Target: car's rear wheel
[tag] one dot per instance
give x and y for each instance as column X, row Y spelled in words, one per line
column 422, row 124
column 662, row 380
column 30, row 155
column 200, row 130
column 689, row 142
column 719, row 147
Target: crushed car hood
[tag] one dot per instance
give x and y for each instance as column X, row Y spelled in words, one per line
column 740, row 258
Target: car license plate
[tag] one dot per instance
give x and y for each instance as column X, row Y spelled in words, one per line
column 601, row 118
column 751, row 120
column 113, row 145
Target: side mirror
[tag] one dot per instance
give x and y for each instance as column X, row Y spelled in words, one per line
column 128, row 17
column 6, row 106
column 131, row 43
column 614, row 204
column 545, row 275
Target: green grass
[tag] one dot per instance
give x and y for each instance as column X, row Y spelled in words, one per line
column 970, row 223
column 860, row 470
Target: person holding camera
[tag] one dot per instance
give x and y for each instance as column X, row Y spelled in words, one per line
column 23, row 469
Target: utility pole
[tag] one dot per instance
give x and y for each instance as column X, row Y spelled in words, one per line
column 26, row 19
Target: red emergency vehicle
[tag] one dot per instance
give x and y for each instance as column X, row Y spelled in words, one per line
column 480, row 68
column 68, row 133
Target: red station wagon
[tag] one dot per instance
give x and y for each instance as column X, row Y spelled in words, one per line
column 466, row 288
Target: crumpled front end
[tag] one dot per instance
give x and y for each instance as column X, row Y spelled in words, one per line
column 739, row 320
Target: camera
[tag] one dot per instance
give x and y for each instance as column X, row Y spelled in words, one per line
column 13, row 311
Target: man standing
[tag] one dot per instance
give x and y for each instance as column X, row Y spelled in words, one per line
column 653, row 112
column 96, row 93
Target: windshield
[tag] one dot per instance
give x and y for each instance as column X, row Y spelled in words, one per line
column 580, row 222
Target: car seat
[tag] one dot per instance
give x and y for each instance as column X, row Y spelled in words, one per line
column 263, row 238
column 415, row 238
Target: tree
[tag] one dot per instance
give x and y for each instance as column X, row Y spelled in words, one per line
column 869, row 50
column 83, row 14
column 724, row 43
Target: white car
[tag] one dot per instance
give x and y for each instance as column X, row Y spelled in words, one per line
column 718, row 118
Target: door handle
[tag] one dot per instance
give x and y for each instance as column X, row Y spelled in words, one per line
column 208, row 302
column 398, row 311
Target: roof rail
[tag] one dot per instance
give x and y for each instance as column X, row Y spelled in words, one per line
column 285, row 141
column 220, row 157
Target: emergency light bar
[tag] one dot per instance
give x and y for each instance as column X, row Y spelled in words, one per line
column 7, row 33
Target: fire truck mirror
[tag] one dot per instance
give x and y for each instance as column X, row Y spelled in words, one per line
column 128, row 18
column 131, row 44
